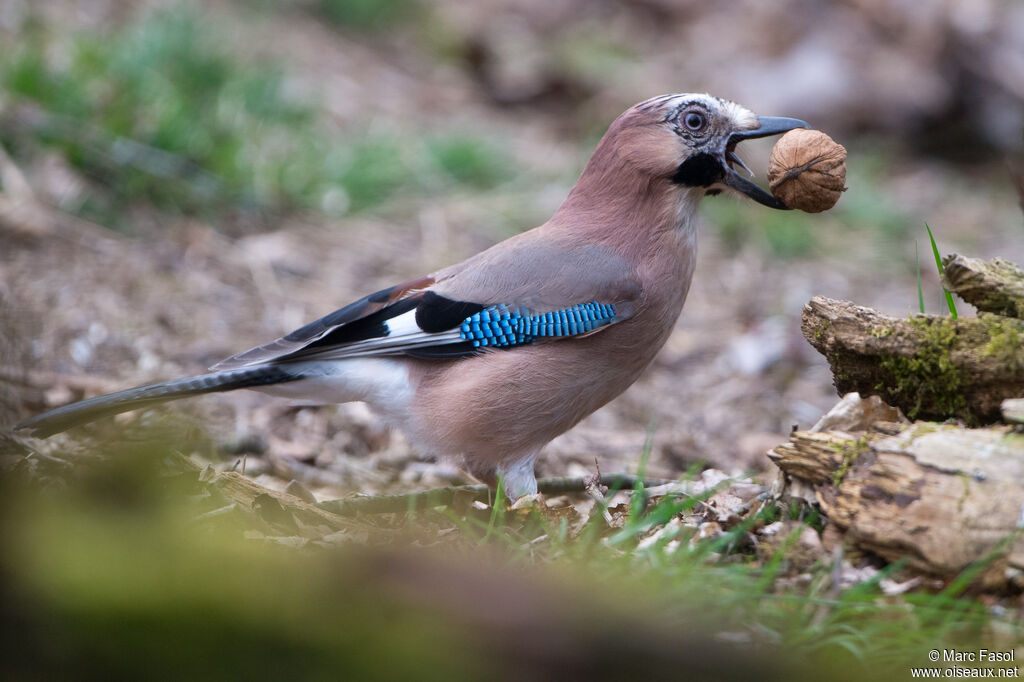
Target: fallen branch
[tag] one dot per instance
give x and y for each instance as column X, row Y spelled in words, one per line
column 930, row 367
column 939, row 496
column 280, row 509
column 995, row 286
column 279, row 512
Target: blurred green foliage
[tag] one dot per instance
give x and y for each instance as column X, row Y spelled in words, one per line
column 592, row 54
column 784, row 235
column 369, row 15
column 867, row 205
column 125, row 566
column 128, row 566
column 370, row 171
column 159, row 111
column 115, row 575
column 472, row 162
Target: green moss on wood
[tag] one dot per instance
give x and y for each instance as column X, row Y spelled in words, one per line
column 924, row 428
column 965, row 479
column 927, row 381
column 1005, row 340
column 850, row 451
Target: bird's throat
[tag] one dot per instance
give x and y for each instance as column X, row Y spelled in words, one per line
column 700, row 170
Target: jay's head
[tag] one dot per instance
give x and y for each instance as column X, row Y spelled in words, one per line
column 689, row 140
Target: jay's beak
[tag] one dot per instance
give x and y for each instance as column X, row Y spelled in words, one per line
column 770, row 125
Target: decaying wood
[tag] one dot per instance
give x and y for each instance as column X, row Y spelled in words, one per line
column 995, row 286
column 854, row 413
column 815, row 457
column 1013, row 411
column 930, row 367
column 279, row 512
column 251, row 495
column 940, row 496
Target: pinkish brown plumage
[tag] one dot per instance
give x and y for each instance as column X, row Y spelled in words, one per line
column 491, row 359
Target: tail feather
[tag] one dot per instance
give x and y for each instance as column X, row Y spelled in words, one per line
column 91, row 409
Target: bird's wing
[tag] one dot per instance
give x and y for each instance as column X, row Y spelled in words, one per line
column 541, row 272
column 360, row 316
column 525, row 290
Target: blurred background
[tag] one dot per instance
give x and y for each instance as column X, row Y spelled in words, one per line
column 180, row 181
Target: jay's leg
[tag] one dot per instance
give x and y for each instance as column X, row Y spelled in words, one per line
column 516, row 473
column 519, row 476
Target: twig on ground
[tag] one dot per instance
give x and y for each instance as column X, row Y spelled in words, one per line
column 592, row 486
column 291, row 468
column 437, row 497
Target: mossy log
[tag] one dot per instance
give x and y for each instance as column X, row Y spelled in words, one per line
column 930, row 367
column 995, row 286
column 939, row 496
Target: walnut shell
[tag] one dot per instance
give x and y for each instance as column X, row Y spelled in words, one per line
column 807, row 170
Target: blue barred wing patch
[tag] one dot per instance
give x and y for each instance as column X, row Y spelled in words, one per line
column 498, row 326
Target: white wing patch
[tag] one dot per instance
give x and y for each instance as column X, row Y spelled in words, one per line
column 403, row 325
column 403, row 334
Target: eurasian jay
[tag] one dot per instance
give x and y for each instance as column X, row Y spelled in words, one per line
column 491, row 359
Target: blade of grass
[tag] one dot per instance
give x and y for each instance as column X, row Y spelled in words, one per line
column 920, row 292
column 497, row 510
column 645, row 454
column 938, row 264
column 638, row 501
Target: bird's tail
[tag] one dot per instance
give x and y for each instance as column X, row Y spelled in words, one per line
column 91, row 409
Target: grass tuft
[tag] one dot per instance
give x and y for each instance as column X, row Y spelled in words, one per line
column 938, row 265
column 159, row 113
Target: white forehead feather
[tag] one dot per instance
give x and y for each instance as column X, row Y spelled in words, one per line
column 742, row 118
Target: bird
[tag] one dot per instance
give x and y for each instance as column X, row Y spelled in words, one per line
column 488, row 360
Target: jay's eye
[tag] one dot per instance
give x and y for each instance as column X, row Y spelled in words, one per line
column 694, row 121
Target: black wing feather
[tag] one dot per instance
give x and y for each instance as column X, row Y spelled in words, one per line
column 303, row 336
column 373, row 326
column 366, row 320
column 436, row 314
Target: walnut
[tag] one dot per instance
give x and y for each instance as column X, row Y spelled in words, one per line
column 807, row 170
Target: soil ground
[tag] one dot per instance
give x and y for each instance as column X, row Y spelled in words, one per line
column 732, row 381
